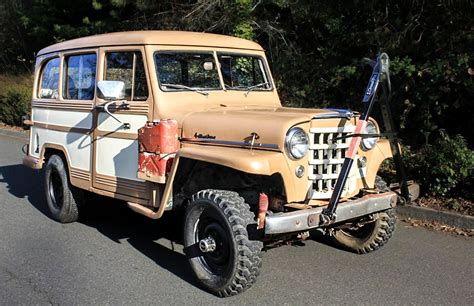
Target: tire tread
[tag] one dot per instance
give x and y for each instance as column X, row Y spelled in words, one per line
column 238, row 214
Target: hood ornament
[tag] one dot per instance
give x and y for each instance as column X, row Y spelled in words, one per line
column 253, row 136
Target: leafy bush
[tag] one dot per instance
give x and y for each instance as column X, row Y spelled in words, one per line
column 443, row 167
column 15, row 98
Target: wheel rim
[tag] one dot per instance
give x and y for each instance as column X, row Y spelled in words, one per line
column 56, row 191
column 208, row 227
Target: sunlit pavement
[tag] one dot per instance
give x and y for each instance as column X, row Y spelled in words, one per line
column 115, row 256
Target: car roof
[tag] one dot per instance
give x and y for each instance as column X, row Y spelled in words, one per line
column 176, row 38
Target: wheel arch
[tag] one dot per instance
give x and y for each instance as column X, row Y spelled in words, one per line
column 193, row 175
column 49, row 149
column 375, row 158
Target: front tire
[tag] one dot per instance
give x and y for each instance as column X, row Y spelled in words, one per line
column 216, row 240
column 62, row 198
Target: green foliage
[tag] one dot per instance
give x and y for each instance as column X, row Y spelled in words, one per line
column 314, row 47
column 242, row 18
column 442, row 166
column 15, row 99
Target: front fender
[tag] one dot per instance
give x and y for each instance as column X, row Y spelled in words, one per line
column 246, row 160
column 251, row 161
column 375, row 157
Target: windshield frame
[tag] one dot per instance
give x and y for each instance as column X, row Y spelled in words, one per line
column 215, row 53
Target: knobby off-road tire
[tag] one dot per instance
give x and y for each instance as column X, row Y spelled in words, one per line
column 370, row 236
column 224, row 216
column 63, row 199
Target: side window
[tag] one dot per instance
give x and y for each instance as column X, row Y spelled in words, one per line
column 49, row 80
column 79, row 77
column 128, row 67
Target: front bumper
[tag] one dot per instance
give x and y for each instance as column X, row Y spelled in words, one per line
column 306, row 219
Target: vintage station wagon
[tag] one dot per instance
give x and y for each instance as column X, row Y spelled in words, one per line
column 192, row 122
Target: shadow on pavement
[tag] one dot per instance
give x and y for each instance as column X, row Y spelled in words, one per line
column 111, row 218
column 24, row 182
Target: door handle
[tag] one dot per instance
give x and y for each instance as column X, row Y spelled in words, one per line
column 123, row 105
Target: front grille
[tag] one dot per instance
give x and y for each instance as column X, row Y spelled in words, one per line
column 326, row 159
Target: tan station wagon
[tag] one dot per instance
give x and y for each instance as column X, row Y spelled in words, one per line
column 192, row 122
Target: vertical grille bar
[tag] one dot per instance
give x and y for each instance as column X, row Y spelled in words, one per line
column 326, row 158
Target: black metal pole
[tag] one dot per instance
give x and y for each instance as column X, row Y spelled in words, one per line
column 389, row 129
column 329, row 214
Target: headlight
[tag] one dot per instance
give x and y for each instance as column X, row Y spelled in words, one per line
column 296, row 143
column 370, row 142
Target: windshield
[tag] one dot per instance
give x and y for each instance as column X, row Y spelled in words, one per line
column 186, row 71
column 193, row 71
column 243, row 72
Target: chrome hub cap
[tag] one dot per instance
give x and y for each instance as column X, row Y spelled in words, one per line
column 207, row 245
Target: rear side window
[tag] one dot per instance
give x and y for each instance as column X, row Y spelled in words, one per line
column 128, row 67
column 49, row 80
column 79, row 77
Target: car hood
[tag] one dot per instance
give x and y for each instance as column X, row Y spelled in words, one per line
column 239, row 125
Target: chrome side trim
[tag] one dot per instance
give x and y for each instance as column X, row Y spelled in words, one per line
column 306, row 219
column 255, row 145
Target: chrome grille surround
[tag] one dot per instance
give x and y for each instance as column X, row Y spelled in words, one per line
column 326, row 159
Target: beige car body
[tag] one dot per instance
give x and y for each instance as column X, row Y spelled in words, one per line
column 69, row 126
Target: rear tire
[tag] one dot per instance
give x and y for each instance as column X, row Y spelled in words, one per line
column 62, row 198
column 368, row 237
column 222, row 217
column 371, row 235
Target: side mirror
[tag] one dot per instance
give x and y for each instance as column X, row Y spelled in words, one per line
column 111, row 90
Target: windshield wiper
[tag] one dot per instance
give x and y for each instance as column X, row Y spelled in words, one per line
column 179, row 86
column 250, row 88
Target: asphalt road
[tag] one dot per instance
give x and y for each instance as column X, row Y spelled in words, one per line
column 115, row 256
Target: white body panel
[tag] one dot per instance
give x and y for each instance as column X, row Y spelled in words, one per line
column 114, row 156
column 78, row 146
column 117, row 157
column 107, row 123
column 62, row 117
